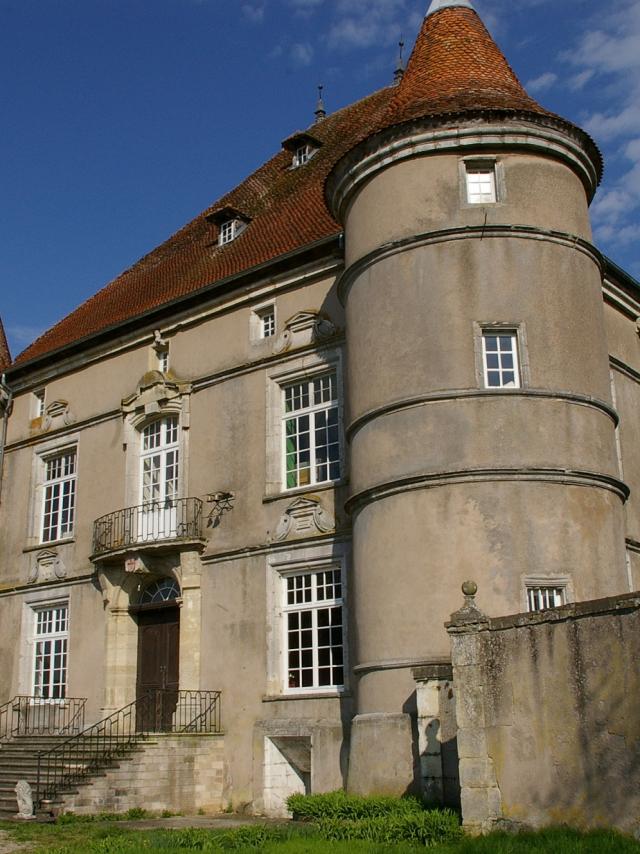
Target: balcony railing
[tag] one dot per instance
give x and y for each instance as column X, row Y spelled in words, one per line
column 156, row 522
column 32, row 715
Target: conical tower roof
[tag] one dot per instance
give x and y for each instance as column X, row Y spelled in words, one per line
column 455, row 67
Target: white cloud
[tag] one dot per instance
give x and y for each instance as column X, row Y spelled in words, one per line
column 304, row 8
column 253, row 12
column 301, row 53
column 544, row 81
column 365, row 23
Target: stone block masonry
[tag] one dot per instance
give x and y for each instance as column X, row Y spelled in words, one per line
column 547, row 713
column 181, row 773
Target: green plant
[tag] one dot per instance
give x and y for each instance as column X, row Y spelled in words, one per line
column 340, row 805
column 423, row 828
column 135, row 813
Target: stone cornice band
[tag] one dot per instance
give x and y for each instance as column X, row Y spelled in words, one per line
column 481, row 394
column 541, row 474
column 478, row 232
column 350, row 173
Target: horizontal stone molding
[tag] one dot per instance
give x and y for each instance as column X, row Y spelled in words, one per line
column 481, row 394
column 431, row 480
column 622, row 368
column 394, row 664
column 632, row 545
column 385, row 150
column 465, row 232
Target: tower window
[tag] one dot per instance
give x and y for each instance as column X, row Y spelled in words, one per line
column 481, row 183
column 500, row 359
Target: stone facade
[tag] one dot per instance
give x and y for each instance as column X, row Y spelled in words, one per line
column 313, row 593
column 548, row 727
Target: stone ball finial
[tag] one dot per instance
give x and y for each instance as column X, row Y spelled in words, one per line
column 469, row 588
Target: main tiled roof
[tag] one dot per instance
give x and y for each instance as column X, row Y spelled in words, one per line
column 455, row 68
column 5, row 357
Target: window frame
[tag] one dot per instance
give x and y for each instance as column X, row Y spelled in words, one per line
column 545, row 589
column 161, row 450
column 256, row 322
column 517, row 329
column 38, row 608
column 39, row 402
column 546, row 581
column 471, row 165
column 501, row 370
column 301, row 160
column 44, row 460
column 307, row 367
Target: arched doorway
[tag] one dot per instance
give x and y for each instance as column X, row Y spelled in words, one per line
column 158, row 618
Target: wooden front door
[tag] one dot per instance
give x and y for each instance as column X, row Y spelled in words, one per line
column 158, row 667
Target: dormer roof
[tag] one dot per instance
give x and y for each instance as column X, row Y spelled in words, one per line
column 227, row 214
column 300, row 137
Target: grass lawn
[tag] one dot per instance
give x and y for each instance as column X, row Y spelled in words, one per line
column 109, row 837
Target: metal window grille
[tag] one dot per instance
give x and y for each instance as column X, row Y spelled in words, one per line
column 542, row 598
column 481, row 185
column 311, row 431
column 50, row 652
column 314, row 630
column 500, row 360
column 59, row 496
column 160, row 461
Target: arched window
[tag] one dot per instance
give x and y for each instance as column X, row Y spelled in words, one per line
column 158, row 592
column 160, row 461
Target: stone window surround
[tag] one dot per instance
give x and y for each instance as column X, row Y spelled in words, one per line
column 35, row 601
column 279, row 565
column 256, row 330
column 43, row 452
column 306, row 367
column 517, row 328
column 482, row 161
column 546, row 580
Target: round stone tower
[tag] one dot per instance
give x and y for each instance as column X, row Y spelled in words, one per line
column 479, row 413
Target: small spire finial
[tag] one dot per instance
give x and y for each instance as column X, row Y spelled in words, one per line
column 320, row 110
column 398, row 74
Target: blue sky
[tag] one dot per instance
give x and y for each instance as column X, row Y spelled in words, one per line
column 122, row 119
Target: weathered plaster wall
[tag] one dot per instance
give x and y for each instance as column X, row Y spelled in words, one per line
column 547, row 713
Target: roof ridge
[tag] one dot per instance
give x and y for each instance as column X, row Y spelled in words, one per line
column 5, row 353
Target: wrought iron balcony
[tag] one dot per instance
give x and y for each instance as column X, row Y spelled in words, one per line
column 151, row 524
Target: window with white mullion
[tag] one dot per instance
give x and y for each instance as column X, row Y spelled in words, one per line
column 314, row 632
column 311, row 431
column 59, row 496
column 543, row 598
column 481, row 185
column 50, row 652
column 160, row 461
column 500, row 359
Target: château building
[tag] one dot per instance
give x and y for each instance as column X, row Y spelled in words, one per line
column 263, row 460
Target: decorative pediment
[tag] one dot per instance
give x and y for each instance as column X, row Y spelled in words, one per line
column 47, row 565
column 303, row 518
column 57, row 414
column 303, row 329
column 155, row 394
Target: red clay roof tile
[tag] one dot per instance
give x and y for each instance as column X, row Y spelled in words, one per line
column 5, row 355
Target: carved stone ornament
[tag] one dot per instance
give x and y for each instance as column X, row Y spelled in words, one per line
column 47, row 566
column 5, row 399
column 304, row 517
column 24, row 797
column 153, row 394
column 57, row 414
column 303, row 329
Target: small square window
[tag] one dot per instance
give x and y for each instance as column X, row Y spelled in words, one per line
column 500, row 359
column 268, row 323
column 543, row 598
column 481, row 184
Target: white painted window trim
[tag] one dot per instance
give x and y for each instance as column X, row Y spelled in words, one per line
column 39, row 403
column 304, row 367
column 280, row 565
column 43, row 452
column 487, row 163
column 38, row 600
column 256, row 322
column 162, row 450
column 516, row 329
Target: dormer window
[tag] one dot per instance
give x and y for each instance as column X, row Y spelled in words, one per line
column 231, row 223
column 228, row 231
column 302, row 155
column 302, row 147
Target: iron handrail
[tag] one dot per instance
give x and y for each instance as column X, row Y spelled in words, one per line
column 30, row 714
column 158, row 710
column 153, row 522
